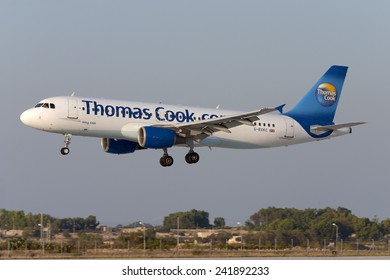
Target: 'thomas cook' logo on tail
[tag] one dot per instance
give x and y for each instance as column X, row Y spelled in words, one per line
column 326, row 94
column 319, row 104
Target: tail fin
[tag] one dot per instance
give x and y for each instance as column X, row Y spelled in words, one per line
column 320, row 103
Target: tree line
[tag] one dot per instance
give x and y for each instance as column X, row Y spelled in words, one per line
column 267, row 228
column 317, row 224
column 291, row 225
column 31, row 222
column 281, row 223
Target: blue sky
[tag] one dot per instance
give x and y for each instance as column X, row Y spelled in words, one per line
column 243, row 55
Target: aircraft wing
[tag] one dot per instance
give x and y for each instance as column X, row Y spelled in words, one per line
column 210, row 126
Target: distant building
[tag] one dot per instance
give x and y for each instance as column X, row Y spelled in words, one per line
column 104, row 229
column 11, row 233
column 131, row 230
column 205, row 234
column 235, row 240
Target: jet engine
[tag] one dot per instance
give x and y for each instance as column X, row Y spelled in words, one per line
column 118, row 146
column 156, row 137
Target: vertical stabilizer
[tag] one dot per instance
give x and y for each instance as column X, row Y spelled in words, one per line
column 319, row 105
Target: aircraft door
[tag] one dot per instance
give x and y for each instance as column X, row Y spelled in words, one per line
column 72, row 108
column 289, row 128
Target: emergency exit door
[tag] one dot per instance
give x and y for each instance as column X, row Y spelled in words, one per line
column 289, row 128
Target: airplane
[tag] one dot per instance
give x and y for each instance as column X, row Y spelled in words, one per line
column 125, row 127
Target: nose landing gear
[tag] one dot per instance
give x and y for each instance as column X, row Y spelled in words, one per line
column 65, row 150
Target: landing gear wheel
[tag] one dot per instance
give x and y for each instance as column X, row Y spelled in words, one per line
column 65, row 151
column 192, row 158
column 166, row 161
column 162, row 161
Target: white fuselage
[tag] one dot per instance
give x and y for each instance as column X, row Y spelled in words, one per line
column 106, row 118
column 125, row 127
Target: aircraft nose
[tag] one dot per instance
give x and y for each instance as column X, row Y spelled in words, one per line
column 25, row 117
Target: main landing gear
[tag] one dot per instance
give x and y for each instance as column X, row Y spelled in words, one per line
column 191, row 158
column 166, row 160
column 65, row 150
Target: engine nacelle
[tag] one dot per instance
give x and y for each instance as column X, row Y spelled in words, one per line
column 117, row 146
column 156, row 137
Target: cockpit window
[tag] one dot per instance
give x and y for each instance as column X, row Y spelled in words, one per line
column 46, row 105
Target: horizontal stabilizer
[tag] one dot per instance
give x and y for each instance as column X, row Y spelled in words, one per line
column 319, row 129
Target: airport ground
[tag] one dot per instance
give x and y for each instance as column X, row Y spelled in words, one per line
column 195, row 253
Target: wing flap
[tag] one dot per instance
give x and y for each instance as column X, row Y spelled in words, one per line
column 224, row 124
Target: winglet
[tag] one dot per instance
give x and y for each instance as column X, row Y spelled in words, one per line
column 280, row 108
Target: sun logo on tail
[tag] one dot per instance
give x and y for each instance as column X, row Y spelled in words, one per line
column 326, row 94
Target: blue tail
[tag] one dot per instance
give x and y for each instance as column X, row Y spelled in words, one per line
column 319, row 105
